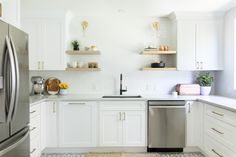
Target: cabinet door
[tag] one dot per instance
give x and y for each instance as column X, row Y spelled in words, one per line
column 53, row 45
column 186, row 31
column 195, row 113
column 51, row 124
column 134, row 128
column 77, row 124
column 34, row 29
column 11, row 12
column 208, row 44
column 110, row 128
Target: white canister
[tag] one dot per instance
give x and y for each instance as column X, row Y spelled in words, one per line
column 74, row 64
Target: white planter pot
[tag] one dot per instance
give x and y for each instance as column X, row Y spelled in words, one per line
column 205, row 90
column 63, row 91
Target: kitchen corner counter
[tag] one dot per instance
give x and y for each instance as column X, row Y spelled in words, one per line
column 219, row 101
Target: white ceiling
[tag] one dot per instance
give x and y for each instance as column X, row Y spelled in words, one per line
column 140, row 7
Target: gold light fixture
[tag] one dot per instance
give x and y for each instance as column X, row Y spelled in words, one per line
column 84, row 25
column 156, row 25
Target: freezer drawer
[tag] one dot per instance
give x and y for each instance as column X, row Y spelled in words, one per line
column 16, row 146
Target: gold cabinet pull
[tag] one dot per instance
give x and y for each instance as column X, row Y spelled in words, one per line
column 33, row 151
column 214, row 129
column 124, row 116
column 32, row 112
column 120, row 115
column 33, row 129
column 213, row 150
column 219, row 114
column 54, row 107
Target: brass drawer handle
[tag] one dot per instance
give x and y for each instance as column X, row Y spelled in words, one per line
column 219, row 114
column 33, row 151
column 214, row 129
column 213, row 150
column 32, row 112
column 33, row 129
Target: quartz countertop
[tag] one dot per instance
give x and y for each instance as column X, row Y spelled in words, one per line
column 223, row 102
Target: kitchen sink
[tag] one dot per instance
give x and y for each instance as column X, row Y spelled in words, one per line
column 122, row 96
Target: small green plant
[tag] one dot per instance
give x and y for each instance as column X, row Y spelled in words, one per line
column 205, row 79
column 75, row 44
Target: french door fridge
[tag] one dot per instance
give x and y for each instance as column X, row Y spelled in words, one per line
column 14, row 92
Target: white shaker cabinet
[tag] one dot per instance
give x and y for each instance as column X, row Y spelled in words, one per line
column 199, row 44
column 46, row 43
column 11, row 12
column 195, row 114
column 49, row 111
column 122, row 123
column 77, row 124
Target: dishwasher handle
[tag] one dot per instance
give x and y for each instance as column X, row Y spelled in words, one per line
column 166, row 103
column 153, row 107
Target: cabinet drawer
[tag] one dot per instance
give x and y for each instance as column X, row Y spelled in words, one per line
column 221, row 114
column 35, row 148
column 35, row 128
column 222, row 132
column 34, row 110
column 215, row 149
column 122, row 105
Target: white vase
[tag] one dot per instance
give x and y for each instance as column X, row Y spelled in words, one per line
column 205, row 90
column 63, row 91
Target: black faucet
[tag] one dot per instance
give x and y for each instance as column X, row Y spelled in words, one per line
column 121, row 88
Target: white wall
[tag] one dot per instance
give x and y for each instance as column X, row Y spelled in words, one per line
column 225, row 79
column 120, row 38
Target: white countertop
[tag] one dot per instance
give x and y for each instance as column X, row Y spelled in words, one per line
column 224, row 102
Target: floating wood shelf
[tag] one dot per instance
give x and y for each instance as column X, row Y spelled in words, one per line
column 156, row 52
column 82, row 52
column 159, row 69
column 83, row 69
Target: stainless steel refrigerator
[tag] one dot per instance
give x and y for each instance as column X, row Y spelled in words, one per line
column 14, row 92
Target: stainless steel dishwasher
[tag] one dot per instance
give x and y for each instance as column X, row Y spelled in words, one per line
column 166, row 126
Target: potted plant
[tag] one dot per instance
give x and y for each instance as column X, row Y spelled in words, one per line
column 205, row 81
column 63, row 88
column 75, row 44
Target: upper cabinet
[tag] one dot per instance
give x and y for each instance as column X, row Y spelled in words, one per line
column 10, row 12
column 46, row 43
column 199, row 42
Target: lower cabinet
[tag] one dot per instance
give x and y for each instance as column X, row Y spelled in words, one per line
column 194, row 123
column 219, row 132
column 77, row 124
column 35, row 130
column 122, row 123
column 49, row 122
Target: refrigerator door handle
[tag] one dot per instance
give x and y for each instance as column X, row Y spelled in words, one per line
column 10, row 93
column 17, row 81
column 14, row 145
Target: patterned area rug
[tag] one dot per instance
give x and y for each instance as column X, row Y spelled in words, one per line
column 121, row 154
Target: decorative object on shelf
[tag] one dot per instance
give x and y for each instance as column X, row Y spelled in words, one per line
column 93, row 65
column 63, row 88
column 75, row 44
column 163, row 48
column 205, row 81
column 84, row 25
column 156, row 28
column 160, row 64
column 52, row 86
column 94, row 48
